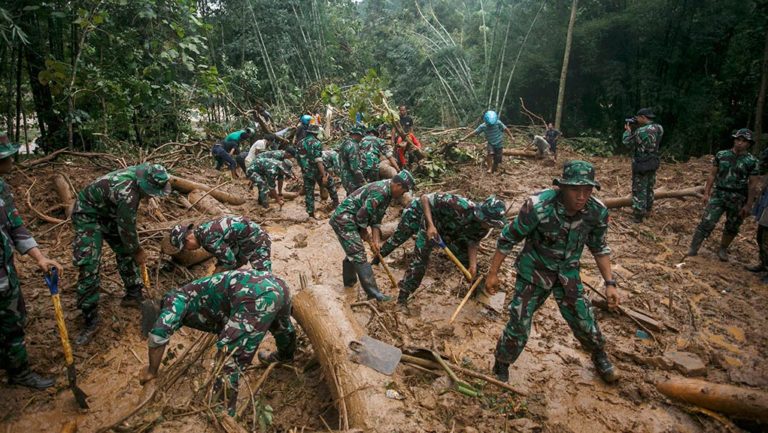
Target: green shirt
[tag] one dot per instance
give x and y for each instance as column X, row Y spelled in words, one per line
column 367, row 204
column 310, row 153
column 733, row 171
column 645, row 139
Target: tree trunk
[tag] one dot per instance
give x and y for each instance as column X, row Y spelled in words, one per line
column 186, row 186
column 660, row 193
column 734, row 401
column 761, row 95
column 185, row 258
column 520, row 153
column 564, row 71
column 207, row 204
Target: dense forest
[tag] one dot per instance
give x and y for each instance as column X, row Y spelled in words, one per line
column 96, row 73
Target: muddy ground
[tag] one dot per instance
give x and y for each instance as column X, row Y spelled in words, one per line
column 718, row 310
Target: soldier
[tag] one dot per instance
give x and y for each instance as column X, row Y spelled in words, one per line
column 555, row 225
column 332, row 167
column 310, row 157
column 352, row 176
column 460, row 223
column 733, row 175
column 646, row 140
column 13, row 315
column 239, row 306
column 362, row 209
column 280, row 155
column 244, row 159
column 302, row 128
column 233, row 240
column 372, row 151
column 409, row 224
column 106, row 210
column 268, row 175
column 552, row 135
column 494, row 131
column 223, row 152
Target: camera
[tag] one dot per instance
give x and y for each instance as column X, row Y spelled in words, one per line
column 631, row 120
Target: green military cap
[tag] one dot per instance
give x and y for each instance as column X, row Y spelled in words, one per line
column 492, row 211
column 179, row 235
column 406, row 179
column 577, row 173
column 745, row 133
column 153, row 179
column 8, row 149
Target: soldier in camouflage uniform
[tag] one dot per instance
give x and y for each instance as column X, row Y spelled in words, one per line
column 362, row 209
column 352, row 176
column 280, row 155
column 372, row 151
column 333, row 168
column 409, row 224
column 106, row 210
column 645, row 140
column 268, row 175
column 555, row 225
column 733, row 176
column 460, row 223
column 233, row 240
column 13, row 315
column 239, row 306
column 310, row 156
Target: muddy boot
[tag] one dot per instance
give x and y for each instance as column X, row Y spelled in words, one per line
column 501, row 371
column 92, row 322
column 30, row 379
column 725, row 242
column 133, row 297
column 698, row 238
column 367, row 280
column 348, row 274
column 272, row 357
column 604, row 367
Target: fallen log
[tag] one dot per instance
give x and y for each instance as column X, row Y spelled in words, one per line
column 734, row 401
column 520, row 153
column 660, row 193
column 358, row 391
column 65, row 193
column 184, row 258
column 205, row 203
column 186, row 186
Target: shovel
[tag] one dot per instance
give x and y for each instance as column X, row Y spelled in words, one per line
column 459, row 385
column 447, row 251
column 52, row 281
column 376, row 354
column 385, row 266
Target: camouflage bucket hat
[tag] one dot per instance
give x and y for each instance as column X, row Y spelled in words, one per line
column 491, row 212
column 406, row 179
column 577, row 173
column 744, row 133
column 153, row 179
column 8, row 149
column 179, row 234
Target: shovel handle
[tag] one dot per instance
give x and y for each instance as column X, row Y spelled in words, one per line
column 145, row 276
column 386, row 267
column 62, row 329
column 466, row 298
column 456, row 261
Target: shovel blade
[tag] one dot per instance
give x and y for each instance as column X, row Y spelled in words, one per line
column 377, row 355
column 80, row 396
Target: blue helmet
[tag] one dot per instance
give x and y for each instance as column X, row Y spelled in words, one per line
column 305, row 119
column 490, row 117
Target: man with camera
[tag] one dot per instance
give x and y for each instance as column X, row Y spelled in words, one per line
column 645, row 136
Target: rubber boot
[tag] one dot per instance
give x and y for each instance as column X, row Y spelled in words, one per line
column 501, row 371
column 349, row 274
column 133, row 297
column 92, row 322
column 725, row 242
column 698, row 238
column 30, row 379
column 272, row 357
column 604, row 367
column 367, row 280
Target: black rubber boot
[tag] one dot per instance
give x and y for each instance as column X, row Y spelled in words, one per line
column 133, row 297
column 348, row 274
column 367, row 280
column 604, row 367
column 725, row 242
column 92, row 322
column 30, row 379
column 698, row 238
column 272, row 357
column 501, row 371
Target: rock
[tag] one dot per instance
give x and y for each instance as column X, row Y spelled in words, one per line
column 300, row 240
column 524, row 425
column 441, row 384
column 686, row 363
column 469, row 429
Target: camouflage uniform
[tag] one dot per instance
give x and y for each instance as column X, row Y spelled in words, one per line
column 264, row 173
column 645, row 140
column 279, row 155
column 372, row 150
column 235, row 241
column 363, row 208
column 309, row 154
column 13, row 353
column 409, row 224
column 352, row 176
column 240, row 306
column 549, row 263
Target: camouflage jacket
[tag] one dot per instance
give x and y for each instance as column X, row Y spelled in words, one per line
column 309, row 154
column 331, row 161
column 270, row 170
column 13, row 233
column 454, row 218
column 226, row 237
column 645, row 139
column 554, row 241
column 733, row 171
column 372, row 150
column 367, row 204
column 279, row 155
column 350, row 161
column 116, row 197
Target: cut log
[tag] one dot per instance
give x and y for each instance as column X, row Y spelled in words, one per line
column 205, row 203
column 660, row 193
column 734, row 401
column 65, row 193
column 520, row 153
column 186, row 186
column 358, row 391
column 185, row 258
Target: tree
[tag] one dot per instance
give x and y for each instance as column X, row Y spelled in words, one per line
column 564, row 71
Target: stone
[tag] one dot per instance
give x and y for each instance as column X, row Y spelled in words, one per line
column 686, row 363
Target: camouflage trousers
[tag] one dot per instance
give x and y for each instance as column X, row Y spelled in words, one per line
column 642, row 192
column 349, row 237
column 409, row 224
column 418, row 267
column 574, row 307
column 257, row 252
column 721, row 202
column 349, row 183
column 262, row 186
column 309, row 190
column 13, row 317
column 86, row 254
